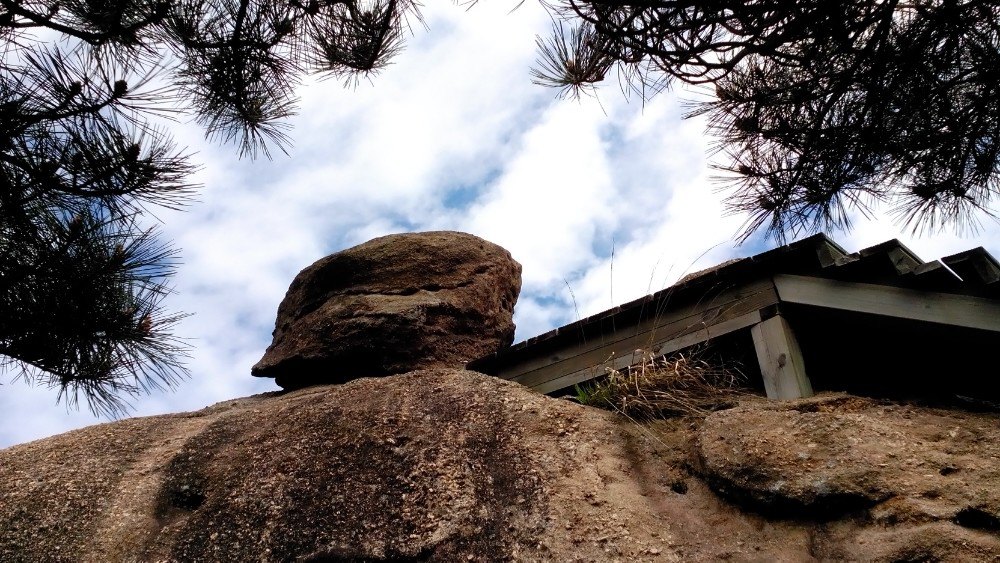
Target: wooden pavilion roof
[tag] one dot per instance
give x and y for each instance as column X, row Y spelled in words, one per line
column 885, row 280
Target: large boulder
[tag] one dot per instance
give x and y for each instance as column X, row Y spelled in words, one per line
column 450, row 465
column 391, row 305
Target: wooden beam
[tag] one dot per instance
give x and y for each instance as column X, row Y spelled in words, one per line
column 780, row 359
column 653, row 340
column 664, row 320
column 976, row 266
column 650, row 335
column 662, row 348
column 943, row 308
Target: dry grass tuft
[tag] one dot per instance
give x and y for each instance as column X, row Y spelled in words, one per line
column 662, row 387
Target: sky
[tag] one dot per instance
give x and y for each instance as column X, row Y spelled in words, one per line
column 601, row 200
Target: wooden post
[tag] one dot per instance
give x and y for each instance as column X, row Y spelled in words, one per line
column 780, row 360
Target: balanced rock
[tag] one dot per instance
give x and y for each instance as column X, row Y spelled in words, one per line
column 391, row 305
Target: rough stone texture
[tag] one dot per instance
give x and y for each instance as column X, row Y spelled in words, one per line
column 813, row 462
column 451, row 465
column 828, row 457
column 391, row 305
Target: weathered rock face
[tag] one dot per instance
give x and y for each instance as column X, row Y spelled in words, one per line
column 391, row 305
column 451, row 465
column 432, row 465
column 819, row 463
column 832, row 457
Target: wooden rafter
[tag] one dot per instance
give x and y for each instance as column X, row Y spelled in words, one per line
column 943, row 308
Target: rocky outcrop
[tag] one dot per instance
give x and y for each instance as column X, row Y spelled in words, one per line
column 451, row 465
column 832, row 456
column 431, row 465
column 804, row 461
column 446, row 464
column 392, row 305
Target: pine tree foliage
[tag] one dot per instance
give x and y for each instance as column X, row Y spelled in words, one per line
column 85, row 88
column 818, row 106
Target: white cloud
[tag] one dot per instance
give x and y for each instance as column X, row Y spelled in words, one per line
column 552, row 198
